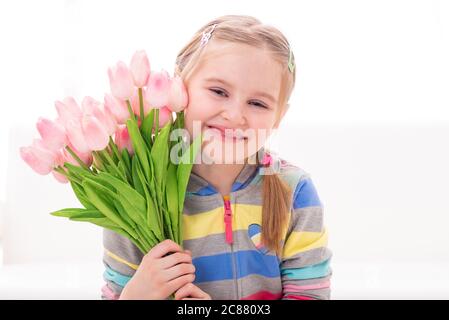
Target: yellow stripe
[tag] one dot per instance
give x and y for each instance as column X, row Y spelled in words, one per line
column 299, row 242
column 117, row 258
column 212, row 222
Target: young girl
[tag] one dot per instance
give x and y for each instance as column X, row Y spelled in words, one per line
column 250, row 231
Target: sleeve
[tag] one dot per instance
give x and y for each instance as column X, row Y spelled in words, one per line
column 305, row 263
column 121, row 259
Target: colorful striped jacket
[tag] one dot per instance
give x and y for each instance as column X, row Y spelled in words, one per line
column 223, row 234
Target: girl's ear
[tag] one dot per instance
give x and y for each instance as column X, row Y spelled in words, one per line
column 276, row 125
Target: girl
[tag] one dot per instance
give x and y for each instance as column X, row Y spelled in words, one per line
column 253, row 229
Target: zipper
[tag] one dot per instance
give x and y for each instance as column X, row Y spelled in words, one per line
column 229, row 239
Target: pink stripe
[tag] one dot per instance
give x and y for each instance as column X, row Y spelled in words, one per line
column 292, row 287
column 294, row 297
column 108, row 293
column 263, row 295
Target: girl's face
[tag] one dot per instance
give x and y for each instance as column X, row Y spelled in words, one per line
column 233, row 97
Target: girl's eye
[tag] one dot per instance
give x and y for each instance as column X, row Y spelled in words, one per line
column 217, row 91
column 259, row 104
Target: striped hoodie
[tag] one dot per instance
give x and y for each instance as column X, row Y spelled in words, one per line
column 223, row 234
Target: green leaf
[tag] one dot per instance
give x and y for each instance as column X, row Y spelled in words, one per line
column 161, row 156
column 124, row 189
column 154, row 220
column 67, row 212
column 79, row 193
column 172, row 199
column 94, row 193
column 183, row 174
column 139, row 146
column 126, row 159
column 136, row 181
column 147, row 128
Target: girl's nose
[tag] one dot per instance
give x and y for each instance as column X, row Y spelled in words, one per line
column 234, row 114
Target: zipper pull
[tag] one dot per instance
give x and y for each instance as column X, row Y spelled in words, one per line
column 228, row 219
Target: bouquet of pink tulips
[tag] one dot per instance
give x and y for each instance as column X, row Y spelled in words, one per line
column 117, row 154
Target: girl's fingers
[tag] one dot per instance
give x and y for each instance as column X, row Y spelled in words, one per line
column 163, row 248
column 179, row 282
column 174, row 259
column 190, row 292
column 178, row 270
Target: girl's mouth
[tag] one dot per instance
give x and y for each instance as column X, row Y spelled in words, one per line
column 227, row 133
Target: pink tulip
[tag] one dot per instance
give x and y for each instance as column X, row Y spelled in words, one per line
column 68, row 110
column 135, row 103
column 158, row 89
column 121, row 81
column 117, row 108
column 39, row 159
column 95, row 108
column 165, row 115
column 52, row 133
column 76, row 136
column 178, row 98
column 140, row 68
column 122, row 139
column 95, row 133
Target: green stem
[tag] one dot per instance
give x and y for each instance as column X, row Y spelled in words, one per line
column 105, row 154
column 98, row 161
column 130, row 110
column 142, row 116
column 156, row 128
column 114, row 149
column 74, row 155
column 61, row 170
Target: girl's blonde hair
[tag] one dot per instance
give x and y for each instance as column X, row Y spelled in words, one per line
column 250, row 31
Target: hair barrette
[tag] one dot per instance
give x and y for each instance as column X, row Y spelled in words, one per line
column 206, row 36
column 291, row 65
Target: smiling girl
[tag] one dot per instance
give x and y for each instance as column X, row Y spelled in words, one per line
column 252, row 222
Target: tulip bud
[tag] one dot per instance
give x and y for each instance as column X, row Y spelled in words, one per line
column 140, row 68
column 158, row 89
column 121, row 81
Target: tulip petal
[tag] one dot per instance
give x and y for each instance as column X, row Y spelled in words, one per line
column 140, row 68
column 95, row 133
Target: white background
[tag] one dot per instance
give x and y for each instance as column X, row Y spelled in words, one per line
column 369, row 119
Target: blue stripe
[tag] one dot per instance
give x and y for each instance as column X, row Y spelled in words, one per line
column 253, row 229
column 220, row 266
column 316, row 271
column 116, row 277
column 306, row 195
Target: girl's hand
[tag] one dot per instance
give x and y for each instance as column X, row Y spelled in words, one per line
column 191, row 292
column 159, row 274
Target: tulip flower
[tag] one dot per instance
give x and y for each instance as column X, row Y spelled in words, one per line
column 117, row 108
column 76, row 136
column 95, row 108
column 68, row 110
column 121, row 81
column 140, row 68
column 122, row 139
column 158, row 89
column 94, row 132
column 52, row 133
column 38, row 158
column 178, row 98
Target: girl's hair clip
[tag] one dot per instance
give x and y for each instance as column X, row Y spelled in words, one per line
column 291, row 65
column 206, row 36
